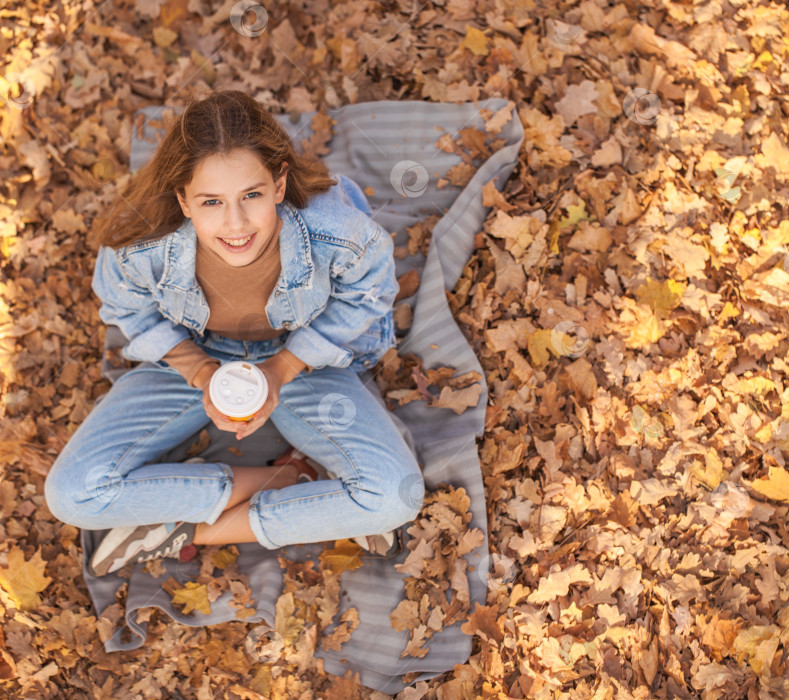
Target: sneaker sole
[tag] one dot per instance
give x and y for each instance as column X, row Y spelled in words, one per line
column 116, row 547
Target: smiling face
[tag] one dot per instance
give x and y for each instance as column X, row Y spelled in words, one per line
column 231, row 201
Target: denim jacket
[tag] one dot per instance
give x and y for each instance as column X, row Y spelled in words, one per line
column 334, row 294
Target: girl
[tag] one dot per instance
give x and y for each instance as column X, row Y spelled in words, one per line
column 229, row 246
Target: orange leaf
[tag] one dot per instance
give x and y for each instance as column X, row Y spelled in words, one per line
column 193, row 596
column 483, row 622
column 775, row 485
column 174, row 10
column 475, row 41
column 344, row 556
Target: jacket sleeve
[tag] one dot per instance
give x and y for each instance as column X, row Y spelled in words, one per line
column 362, row 293
column 134, row 309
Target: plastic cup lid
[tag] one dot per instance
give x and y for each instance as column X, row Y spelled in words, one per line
column 238, row 389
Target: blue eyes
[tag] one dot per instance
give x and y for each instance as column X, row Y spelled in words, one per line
column 216, row 200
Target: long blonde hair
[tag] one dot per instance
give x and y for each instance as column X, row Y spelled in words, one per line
column 148, row 208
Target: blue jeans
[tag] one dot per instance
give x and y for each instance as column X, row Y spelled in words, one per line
column 106, row 476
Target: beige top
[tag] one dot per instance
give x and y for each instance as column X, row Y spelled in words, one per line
column 236, row 299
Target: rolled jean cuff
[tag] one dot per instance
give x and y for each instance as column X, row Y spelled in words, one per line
column 254, row 523
column 227, row 489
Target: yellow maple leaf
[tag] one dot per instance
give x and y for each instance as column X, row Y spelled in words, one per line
column 775, row 486
column 575, row 214
column 661, row 297
column 762, row 61
column 24, row 580
column 760, row 643
column 639, row 325
column 344, row 556
column 540, row 345
column 223, row 558
column 755, row 385
column 728, row 311
column 711, row 474
column 475, row 41
column 193, row 596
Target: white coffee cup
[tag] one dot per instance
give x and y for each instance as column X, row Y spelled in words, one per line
column 239, row 390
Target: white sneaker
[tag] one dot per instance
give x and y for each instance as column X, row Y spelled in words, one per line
column 387, row 545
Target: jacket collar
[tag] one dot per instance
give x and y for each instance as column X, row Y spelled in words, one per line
column 295, row 253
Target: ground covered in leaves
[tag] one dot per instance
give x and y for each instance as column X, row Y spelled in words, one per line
column 628, row 299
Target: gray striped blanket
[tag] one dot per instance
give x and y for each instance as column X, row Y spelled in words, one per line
column 380, row 145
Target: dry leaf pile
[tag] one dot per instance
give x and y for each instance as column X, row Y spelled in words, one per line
column 627, row 298
column 436, row 588
column 397, row 374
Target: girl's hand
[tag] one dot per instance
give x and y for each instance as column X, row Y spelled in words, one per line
column 275, row 381
column 202, row 381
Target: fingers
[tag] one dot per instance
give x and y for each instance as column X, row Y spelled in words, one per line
column 241, row 429
column 224, row 423
column 256, row 422
column 221, row 421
